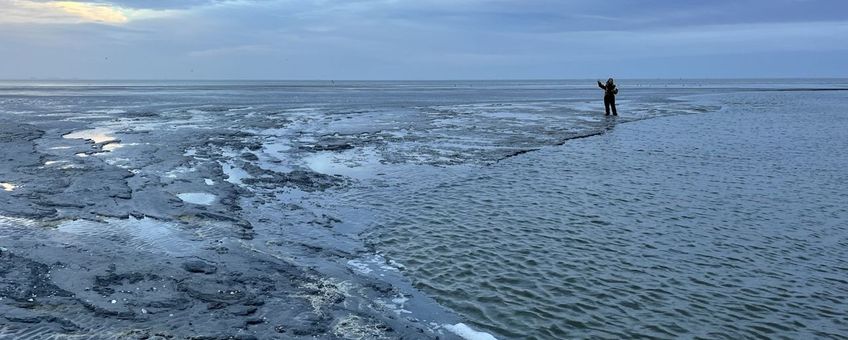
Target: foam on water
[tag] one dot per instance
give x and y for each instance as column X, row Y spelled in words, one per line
column 468, row 333
column 374, row 264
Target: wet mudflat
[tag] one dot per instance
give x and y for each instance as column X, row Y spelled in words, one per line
column 302, row 210
column 146, row 212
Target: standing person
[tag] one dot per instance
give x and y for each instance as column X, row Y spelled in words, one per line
column 610, row 90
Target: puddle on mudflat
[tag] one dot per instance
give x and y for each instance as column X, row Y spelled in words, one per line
column 200, row 198
column 96, row 135
column 112, row 146
column 179, row 172
column 144, row 234
column 357, row 163
column 234, row 174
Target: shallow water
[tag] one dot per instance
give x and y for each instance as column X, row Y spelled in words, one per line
column 726, row 224
column 710, row 208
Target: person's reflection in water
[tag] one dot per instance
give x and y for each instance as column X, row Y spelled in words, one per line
column 608, row 123
column 610, row 90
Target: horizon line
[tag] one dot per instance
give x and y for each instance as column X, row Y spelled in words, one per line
column 413, row 80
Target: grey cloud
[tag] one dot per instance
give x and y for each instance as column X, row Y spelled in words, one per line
column 380, row 39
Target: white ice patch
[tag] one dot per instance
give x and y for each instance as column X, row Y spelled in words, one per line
column 467, row 333
column 209, row 181
column 200, row 198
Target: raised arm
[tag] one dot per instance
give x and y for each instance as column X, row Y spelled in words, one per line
column 601, row 85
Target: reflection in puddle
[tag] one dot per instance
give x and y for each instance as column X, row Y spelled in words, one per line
column 144, row 233
column 201, row 198
column 112, row 146
column 178, row 172
column 357, row 163
column 234, row 174
column 95, row 135
column 6, row 221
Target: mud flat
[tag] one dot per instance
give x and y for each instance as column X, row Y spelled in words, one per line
column 197, row 211
column 151, row 241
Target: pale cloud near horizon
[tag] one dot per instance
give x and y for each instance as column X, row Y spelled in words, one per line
column 406, row 39
column 71, row 12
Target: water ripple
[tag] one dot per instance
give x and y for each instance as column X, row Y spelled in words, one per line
column 723, row 225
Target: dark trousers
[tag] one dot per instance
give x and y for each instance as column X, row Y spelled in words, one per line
column 609, row 101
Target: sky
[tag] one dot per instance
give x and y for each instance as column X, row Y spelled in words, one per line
column 422, row 39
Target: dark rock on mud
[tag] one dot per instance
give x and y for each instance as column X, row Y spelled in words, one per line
column 249, row 156
column 338, row 146
column 198, row 266
column 300, row 179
